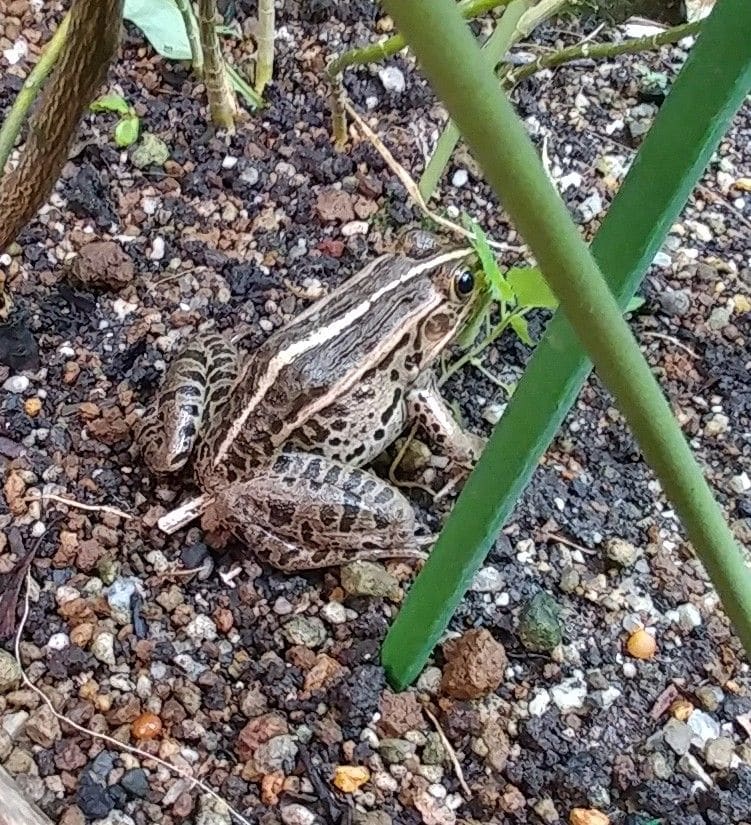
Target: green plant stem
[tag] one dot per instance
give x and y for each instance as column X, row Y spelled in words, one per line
column 602, row 51
column 29, row 91
column 450, row 58
column 375, row 52
column 265, row 61
column 242, row 87
column 520, row 18
column 191, row 30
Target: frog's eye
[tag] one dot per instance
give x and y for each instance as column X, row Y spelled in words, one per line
column 464, row 283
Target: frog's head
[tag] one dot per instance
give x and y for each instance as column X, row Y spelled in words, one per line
column 456, row 291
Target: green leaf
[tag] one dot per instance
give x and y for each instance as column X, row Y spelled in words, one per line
column 126, row 131
column 499, row 289
column 520, row 326
column 110, row 103
column 162, row 24
column 531, row 289
column 635, row 303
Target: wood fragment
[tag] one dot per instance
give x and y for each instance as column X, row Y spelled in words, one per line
column 15, row 809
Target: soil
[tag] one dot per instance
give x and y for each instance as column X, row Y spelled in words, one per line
column 267, row 685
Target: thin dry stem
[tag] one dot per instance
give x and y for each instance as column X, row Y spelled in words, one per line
column 450, row 751
column 121, row 746
column 412, row 189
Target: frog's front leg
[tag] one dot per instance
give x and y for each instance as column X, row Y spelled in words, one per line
column 426, row 407
column 197, row 381
column 307, row 511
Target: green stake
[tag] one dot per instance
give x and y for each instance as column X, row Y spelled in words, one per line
column 708, row 91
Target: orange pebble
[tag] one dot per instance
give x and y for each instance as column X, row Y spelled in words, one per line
column 588, row 816
column 641, row 645
column 147, row 726
column 348, row 778
column 32, row 406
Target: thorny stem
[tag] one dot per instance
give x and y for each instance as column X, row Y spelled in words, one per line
column 603, row 50
column 191, row 30
column 222, row 101
column 375, row 52
column 29, row 91
column 265, row 61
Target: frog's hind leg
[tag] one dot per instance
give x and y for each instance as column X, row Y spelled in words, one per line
column 308, row 511
column 197, row 380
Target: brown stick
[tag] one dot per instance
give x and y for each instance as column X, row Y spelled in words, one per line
column 91, row 43
column 15, row 809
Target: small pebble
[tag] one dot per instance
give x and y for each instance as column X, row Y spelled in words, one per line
column 392, row 79
column 641, row 645
column 16, row 384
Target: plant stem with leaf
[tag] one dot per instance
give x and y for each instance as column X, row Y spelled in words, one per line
column 222, row 101
column 185, row 8
column 265, row 60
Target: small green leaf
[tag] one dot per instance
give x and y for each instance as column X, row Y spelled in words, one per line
column 126, row 131
column 111, row 103
column 499, row 289
column 519, row 324
column 635, row 303
column 530, row 288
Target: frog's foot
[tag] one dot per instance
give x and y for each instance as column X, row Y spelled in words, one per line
column 308, row 512
column 426, row 406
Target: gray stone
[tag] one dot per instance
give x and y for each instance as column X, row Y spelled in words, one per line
column 366, row 578
column 677, row 736
column 119, row 594
column 703, row 728
column 43, row 728
column 372, row 818
column 710, row 697
column 433, row 753
column 395, row 751
column 676, row 302
column 622, row 552
column 298, row 815
column 308, row 631
column 212, row 811
column 150, row 151
column 689, row 764
column 276, row 754
column 392, row 79
column 16, row 384
column 10, row 672
column 719, row 318
column 488, row 580
column 103, row 648
column 539, row 624
column 720, row 753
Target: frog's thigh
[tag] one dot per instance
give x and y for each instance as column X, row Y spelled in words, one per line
column 426, row 407
column 308, row 511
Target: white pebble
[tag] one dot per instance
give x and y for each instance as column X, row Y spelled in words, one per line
column 157, row 249
column 334, row 612
column 392, row 79
column 201, row 628
column 103, row 648
column 459, row 178
column 229, row 162
column 16, row 384
column 58, row 641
